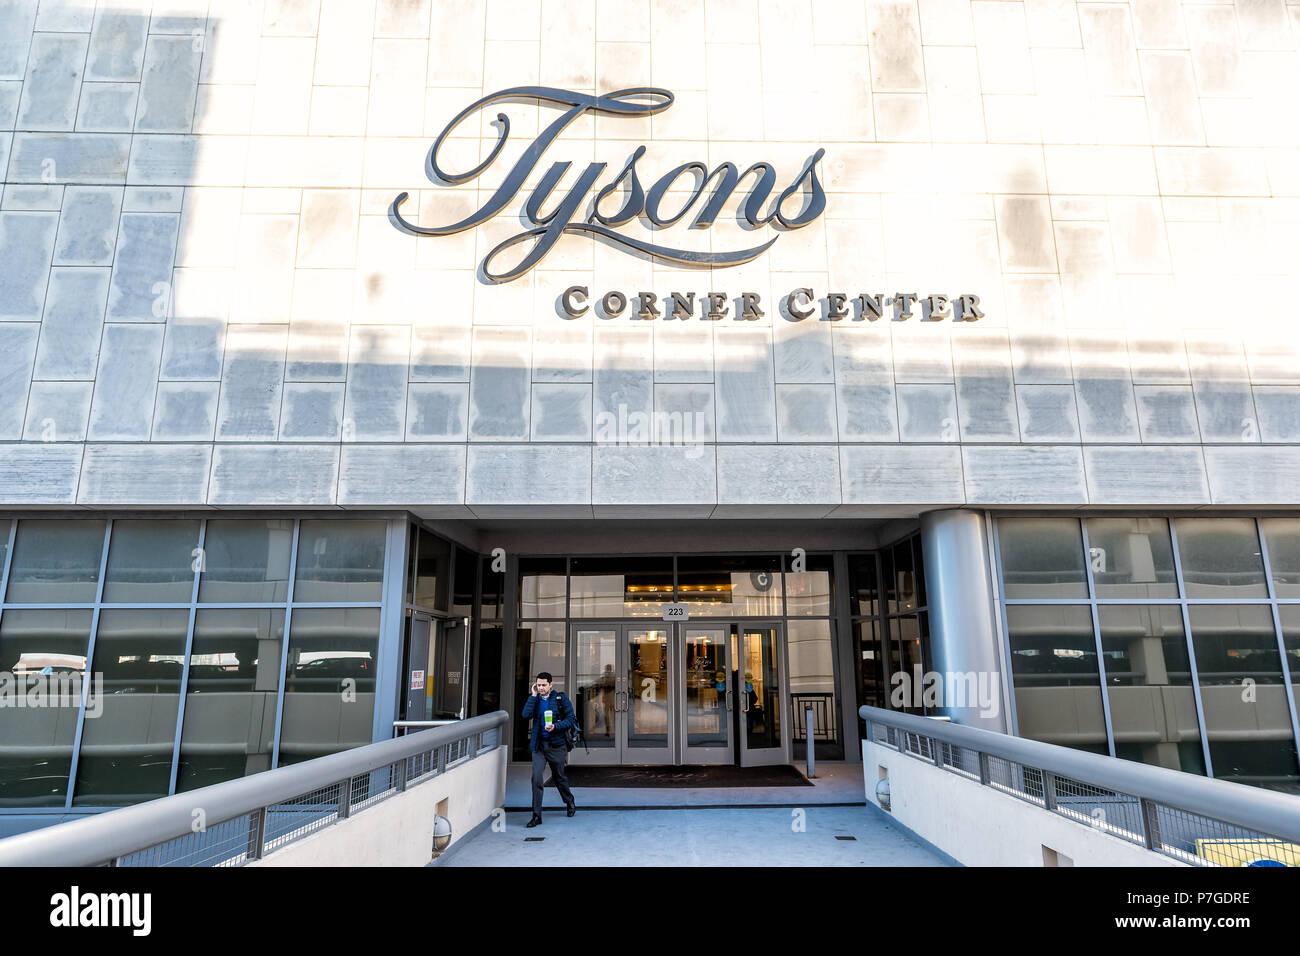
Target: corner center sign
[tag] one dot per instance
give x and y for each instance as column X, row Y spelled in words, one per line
column 758, row 209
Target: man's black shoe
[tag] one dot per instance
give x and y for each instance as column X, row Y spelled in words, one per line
column 534, row 821
column 572, row 809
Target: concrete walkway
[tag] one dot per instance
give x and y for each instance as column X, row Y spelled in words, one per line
column 836, row 782
column 767, row 836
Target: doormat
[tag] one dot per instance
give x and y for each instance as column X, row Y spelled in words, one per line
column 684, row 777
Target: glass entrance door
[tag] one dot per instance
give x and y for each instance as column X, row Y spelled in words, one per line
column 596, row 693
column 706, row 699
column 647, row 701
column 623, row 680
column 758, row 653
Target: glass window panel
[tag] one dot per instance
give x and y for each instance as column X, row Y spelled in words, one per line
column 1042, row 558
column 620, row 586
column 889, row 597
column 539, row 646
column 1149, row 681
column 730, row 586
column 1220, row 558
column 234, row 680
column 762, row 683
column 462, row 601
column 902, row 589
column 246, row 562
column 1283, row 537
column 56, row 562
column 43, row 655
column 1246, row 714
column 126, row 751
column 1054, row 672
column 329, row 690
column 1131, row 558
column 871, row 673
column 863, row 584
column 541, row 587
column 594, row 680
column 151, row 562
column 1290, row 615
column 812, row 683
column 491, row 601
column 808, row 593
column 648, row 707
column 488, row 685
column 907, row 692
column 340, row 561
column 706, row 714
column 919, row 562
column 432, row 572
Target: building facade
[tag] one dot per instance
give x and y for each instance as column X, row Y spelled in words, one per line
column 735, row 361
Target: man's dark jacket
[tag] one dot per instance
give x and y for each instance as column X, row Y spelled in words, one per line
column 562, row 720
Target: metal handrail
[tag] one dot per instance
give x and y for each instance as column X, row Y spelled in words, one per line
column 407, row 725
column 348, row 780
column 1161, row 797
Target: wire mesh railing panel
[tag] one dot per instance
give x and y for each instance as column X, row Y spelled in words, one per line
column 224, row 844
column 294, row 819
column 1204, row 841
column 961, row 760
column 420, row 766
column 458, row 750
column 917, row 744
column 1115, row 813
column 1016, row 779
column 370, row 788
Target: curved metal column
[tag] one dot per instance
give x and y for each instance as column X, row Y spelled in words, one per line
column 963, row 637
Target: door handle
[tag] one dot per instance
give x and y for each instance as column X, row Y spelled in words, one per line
column 744, row 702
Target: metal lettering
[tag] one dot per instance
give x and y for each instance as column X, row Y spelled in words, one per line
column 613, row 303
column 635, row 102
column 566, row 301
column 873, row 306
column 904, row 302
column 717, row 305
column 968, row 308
column 790, row 307
column 648, row 310
column 835, row 309
column 683, row 305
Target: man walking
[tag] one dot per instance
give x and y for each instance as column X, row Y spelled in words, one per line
column 551, row 714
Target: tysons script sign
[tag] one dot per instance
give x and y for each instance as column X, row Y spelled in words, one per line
column 805, row 191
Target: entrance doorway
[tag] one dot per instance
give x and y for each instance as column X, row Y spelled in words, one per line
column 659, row 693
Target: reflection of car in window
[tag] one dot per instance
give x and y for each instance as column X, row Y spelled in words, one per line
column 325, row 674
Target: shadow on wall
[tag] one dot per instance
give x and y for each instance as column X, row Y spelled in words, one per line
column 137, row 309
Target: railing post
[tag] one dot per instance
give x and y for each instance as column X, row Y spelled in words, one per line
column 810, row 755
column 1150, row 824
column 345, row 799
column 984, row 768
column 936, row 751
column 256, row 834
column 1049, row 790
column 401, row 773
